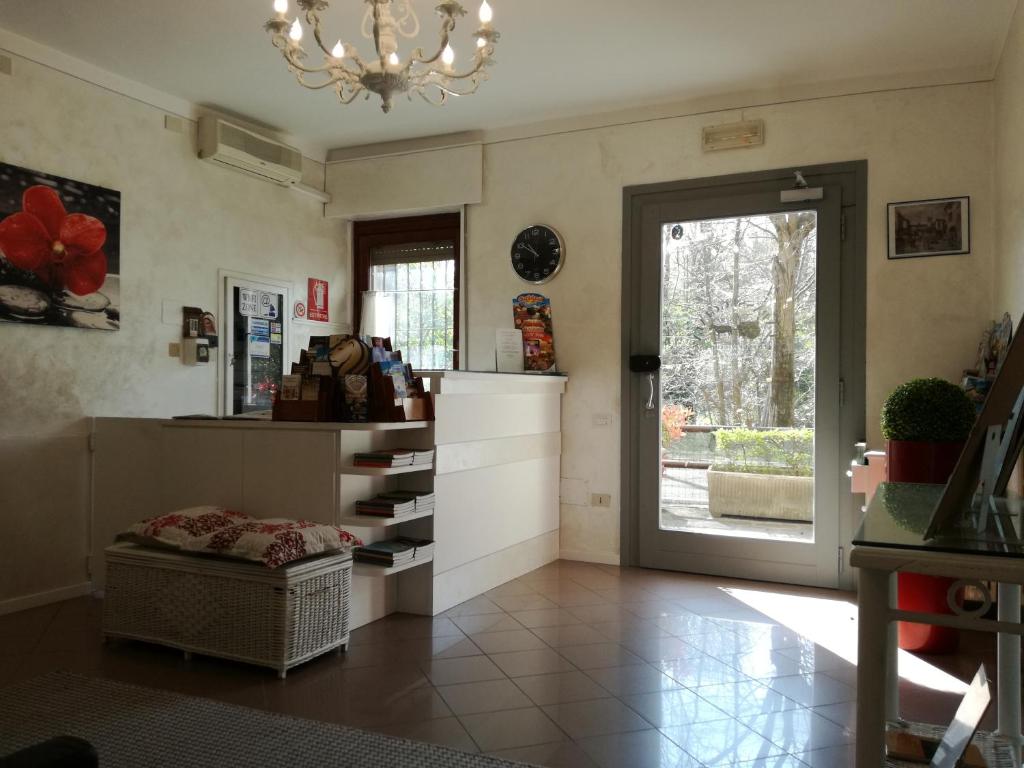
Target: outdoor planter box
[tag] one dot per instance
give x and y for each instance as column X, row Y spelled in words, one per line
column 767, row 497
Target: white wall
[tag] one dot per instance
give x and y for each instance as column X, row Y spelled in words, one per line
column 1008, row 270
column 924, row 315
column 182, row 219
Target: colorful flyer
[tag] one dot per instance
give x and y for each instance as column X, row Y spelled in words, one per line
column 532, row 315
column 259, row 337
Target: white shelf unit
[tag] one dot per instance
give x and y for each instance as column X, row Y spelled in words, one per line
column 375, row 521
column 376, row 571
column 495, row 476
column 385, row 471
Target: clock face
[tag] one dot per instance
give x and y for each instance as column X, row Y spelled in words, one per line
column 537, row 254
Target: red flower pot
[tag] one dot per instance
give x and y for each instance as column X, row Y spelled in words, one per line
column 918, row 462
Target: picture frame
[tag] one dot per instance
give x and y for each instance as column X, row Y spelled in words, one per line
column 82, row 289
column 936, row 227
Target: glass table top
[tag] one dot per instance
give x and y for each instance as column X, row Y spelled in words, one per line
column 899, row 514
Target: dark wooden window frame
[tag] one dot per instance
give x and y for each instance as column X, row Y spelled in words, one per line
column 375, row 233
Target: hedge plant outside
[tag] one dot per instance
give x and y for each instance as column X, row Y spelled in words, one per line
column 765, row 452
column 927, row 410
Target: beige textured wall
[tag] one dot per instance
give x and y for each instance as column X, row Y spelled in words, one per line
column 182, row 219
column 1008, row 269
column 924, row 315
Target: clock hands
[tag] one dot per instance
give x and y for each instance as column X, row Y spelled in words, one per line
column 531, row 250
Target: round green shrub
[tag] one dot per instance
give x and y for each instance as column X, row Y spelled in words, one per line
column 927, row 410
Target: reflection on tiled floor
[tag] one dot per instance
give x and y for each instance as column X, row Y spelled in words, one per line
column 570, row 665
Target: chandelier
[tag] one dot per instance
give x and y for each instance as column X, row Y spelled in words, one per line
column 432, row 77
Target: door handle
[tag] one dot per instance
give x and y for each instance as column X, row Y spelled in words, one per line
column 649, row 364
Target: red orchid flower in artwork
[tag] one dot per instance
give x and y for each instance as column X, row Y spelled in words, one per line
column 64, row 250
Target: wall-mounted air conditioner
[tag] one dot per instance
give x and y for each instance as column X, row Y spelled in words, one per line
column 239, row 148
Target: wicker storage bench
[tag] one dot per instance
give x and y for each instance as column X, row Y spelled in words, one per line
column 276, row 618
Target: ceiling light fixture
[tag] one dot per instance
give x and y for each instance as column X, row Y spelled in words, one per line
column 431, row 77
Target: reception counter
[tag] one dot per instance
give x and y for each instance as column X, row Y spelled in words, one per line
column 497, row 439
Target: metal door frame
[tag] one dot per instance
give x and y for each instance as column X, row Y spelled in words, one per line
column 852, row 178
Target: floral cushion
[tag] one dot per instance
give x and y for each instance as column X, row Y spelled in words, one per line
column 178, row 528
column 274, row 541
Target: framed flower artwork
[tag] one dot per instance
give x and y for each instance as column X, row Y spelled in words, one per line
column 60, row 251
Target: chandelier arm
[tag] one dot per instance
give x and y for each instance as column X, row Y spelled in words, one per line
column 328, row 68
column 481, row 67
column 453, row 92
column 355, row 91
column 440, row 102
column 332, row 80
column 313, row 19
column 446, row 30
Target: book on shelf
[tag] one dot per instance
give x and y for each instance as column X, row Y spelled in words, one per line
column 394, row 552
column 422, row 548
column 423, row 500
column 398, row 457
column 423, row 457
column 382, row 506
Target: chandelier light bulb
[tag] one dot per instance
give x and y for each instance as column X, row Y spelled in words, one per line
column 295, row 33
column 448, row 56
column 338, row 51
column 393, row 59
column 281, row 6
column 480, row 42
column 486, row 13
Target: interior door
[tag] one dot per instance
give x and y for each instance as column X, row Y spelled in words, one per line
column 738, row 381
column 255, row 344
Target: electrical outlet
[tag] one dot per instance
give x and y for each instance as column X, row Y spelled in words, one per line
column 600, row 499
column 174, row 349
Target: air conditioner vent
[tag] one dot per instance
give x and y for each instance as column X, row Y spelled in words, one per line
column 243, row 150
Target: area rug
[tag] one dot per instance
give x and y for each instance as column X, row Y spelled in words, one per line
column 141, row 727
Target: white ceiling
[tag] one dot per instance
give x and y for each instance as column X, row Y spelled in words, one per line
column 556, row 58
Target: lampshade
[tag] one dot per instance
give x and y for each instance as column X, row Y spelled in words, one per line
column 378, row 315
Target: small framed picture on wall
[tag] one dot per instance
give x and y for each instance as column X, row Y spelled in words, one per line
column 930, row 228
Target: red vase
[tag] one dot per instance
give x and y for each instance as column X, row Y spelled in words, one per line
column 909, row 461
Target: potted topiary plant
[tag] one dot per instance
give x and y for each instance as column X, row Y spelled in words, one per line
column 925, row 423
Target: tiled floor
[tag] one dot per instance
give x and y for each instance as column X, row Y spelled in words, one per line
column 570, row 665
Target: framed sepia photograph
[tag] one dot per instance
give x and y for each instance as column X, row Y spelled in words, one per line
column 930, row 228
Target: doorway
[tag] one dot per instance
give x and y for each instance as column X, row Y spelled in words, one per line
column 743, row 358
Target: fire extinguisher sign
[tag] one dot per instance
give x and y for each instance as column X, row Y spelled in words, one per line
column 316, row 301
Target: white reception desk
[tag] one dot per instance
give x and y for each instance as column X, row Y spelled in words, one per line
column 496, row 478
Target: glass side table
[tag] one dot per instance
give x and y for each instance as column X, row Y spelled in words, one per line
column 985, row 546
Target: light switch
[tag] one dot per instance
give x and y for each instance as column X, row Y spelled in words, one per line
column 174, row 349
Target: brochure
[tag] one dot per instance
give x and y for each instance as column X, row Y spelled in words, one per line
column 532, row 315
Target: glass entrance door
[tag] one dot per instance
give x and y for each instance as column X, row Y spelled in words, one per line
column 738, row 344
column 737, row 438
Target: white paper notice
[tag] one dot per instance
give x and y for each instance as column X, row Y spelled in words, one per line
column 508, row 348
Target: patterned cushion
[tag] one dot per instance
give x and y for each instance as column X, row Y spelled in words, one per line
column 178, row 528
column 274, row 541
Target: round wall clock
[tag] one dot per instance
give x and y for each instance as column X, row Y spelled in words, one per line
column 537, row 254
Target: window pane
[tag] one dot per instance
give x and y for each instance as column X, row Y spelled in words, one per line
column 422, row 277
